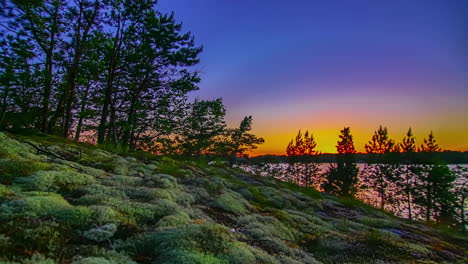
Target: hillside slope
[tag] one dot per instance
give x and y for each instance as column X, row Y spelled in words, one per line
column 62, row 202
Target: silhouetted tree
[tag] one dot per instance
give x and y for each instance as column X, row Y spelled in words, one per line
column 341, row 179
column 236, row 142
column 379, row 170
column 406, row 178
column 436, row 184
column 204, row 121
column 303, row 164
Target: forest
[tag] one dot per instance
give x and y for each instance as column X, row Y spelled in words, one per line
column 117, row 73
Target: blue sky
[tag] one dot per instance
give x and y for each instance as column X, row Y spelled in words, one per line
column 300, row 60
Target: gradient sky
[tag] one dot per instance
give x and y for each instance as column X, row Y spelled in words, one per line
column 325, row 64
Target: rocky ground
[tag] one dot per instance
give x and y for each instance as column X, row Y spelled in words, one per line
column 63, row 202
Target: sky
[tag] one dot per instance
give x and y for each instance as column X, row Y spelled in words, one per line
column 325, row 64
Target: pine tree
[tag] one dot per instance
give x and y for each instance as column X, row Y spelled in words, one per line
column 341, row 179
column 406, row 181
column 303, row 165
column 380, row 170
column 436, row 183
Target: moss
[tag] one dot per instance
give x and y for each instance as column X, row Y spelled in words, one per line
column 214, row 186
column 164, row 181
column 56, row 181
column 12, row 168
column 104, row 257
column 231, row 203
column 37, row 204
column 100, row 233
column 204, row 240
column 5, row 192
column 12, row 148
column 240, row 253
column 378, row 222
column 96, row 194
column 39, row 259
column 307, row 191
column 105, row 215
column 180, row 218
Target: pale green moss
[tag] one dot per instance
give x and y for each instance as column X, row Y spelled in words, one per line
column 100, row 233
column 37, row 204
column 104, row 257
column 180, row 218
column 232, row 203
column 62, row 181
column 378, row 222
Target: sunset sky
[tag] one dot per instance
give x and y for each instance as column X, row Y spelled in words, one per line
column 322, row 65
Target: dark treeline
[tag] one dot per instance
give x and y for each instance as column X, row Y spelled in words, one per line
column 409, row 180
column 114, row 72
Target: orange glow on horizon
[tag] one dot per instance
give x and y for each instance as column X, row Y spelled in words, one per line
column 445, row 116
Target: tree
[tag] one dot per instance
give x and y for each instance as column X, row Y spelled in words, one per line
column 380, row 170
column 341, row 179
column 436, row 183
column 406, row 181
column 204, row 121
column 435, row 194
column 40, row 24
column 236, row 142
column 303, row 164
